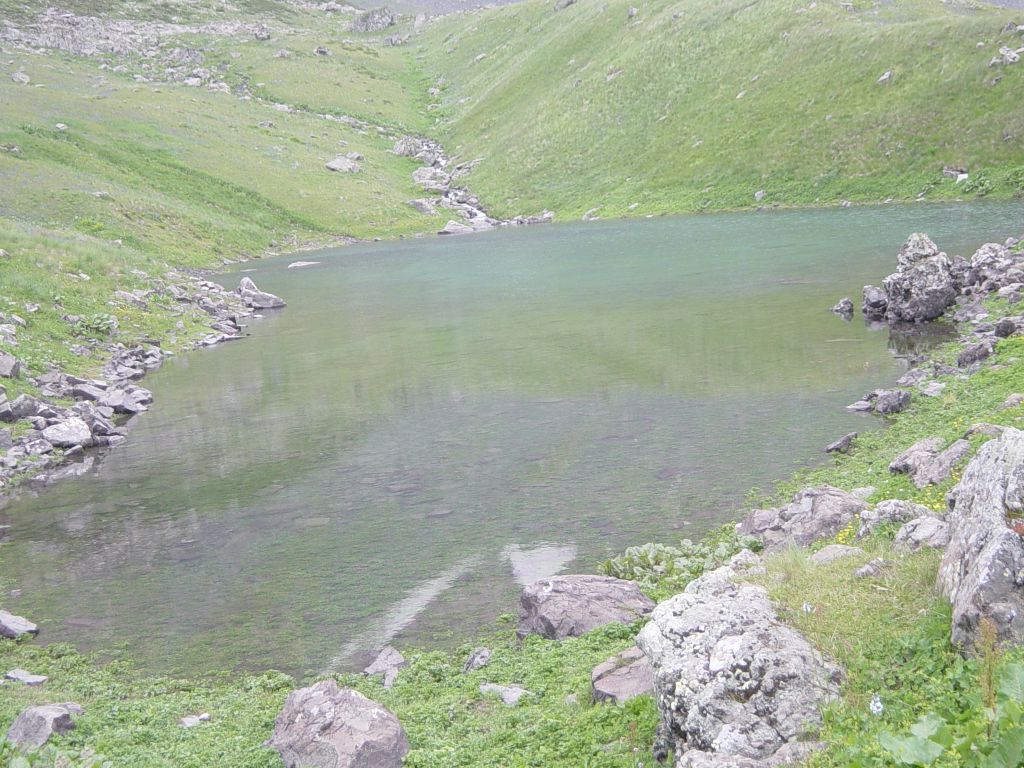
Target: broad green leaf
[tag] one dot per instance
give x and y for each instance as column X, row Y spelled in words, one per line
column 1009, row 753
column 911, row 750
column 1011, row 682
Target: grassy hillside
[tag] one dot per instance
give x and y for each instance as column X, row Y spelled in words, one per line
column 700, row 104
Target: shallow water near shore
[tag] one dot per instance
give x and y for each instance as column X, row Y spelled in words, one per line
column 432, row 423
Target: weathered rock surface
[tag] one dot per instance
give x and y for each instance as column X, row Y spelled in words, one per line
column 13, row 627
column 510, row 695
column 622, row 677
column 842, row 445
column 923, row 287
column 814, row 513
column 24, row 677
column 875, row 303
column 325, row 726
column 68, row 433
column 10, row 366
column 887, row 512
column 343, row 165
column 975, row 353
column 833, row 552
column 387, row 664
column 478, row 659
column 889, row 401
column 733, row 683
column 874, row 569
column 255, row 298
column 927, row 462
column 35, row 725
column 374, row 20
column 456, row 228
column 922, row 532
column 982, row 570
column 844, row 307
column 569, row 606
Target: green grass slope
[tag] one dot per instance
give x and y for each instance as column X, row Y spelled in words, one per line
column 699, row 104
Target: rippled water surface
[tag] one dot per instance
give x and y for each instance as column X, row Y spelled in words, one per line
column 431, row 423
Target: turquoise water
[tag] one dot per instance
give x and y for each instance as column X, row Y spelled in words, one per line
column 432, row 423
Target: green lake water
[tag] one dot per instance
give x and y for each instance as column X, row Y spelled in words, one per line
column 432, row 423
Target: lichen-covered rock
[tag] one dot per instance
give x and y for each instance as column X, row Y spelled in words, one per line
column 733, row 683
column 982, row 570
column 927, row 462
column 889, row 511
column 924, row 286
column 875, row 303
column 814, row 513
column 931, row 532
column 255, row 298
column 35, row 725
column 325, row 726
column 68, row 433
column 569, row 606
column 622, row 677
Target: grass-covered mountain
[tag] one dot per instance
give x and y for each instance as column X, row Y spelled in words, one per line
column 680, row 105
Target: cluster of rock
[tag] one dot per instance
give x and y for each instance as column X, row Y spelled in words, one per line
column 927, row 282
column 440, row 176
column 374, row 20
column 58, row 434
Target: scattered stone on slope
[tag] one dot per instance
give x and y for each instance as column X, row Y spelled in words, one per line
column 622, row 677
column 25, row 677
column 324, row 726
column 255, row 298
column 343, row 164
column 813, row 514
column 927, row 462
column 890, row 401
column 478, row 659
column 13, row 627
column 10, row 366
column 35, row 725
column 734, row 685
column 975, row 353
column 387, row 664
column 569, row 606
column 510, row 695
column 1013, row 401
column 192, row 721
column 889, row 512
column 842, row 445
column 374, row 20
column 832, row 552
column 982, row 570
column 928, row 531
column 874, row 569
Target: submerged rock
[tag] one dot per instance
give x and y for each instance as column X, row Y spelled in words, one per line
column 569, row 606
column 622, row 677
column 734, row 685
column 844, row 308
column 813, row 514
column 325, row 726
column 35, row 725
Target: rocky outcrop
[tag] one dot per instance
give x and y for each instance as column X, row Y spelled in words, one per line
column 569, row 606
column 12, row 627
column 889, row 512
column 35, row 725
column 923, row 532
column 982, row 570
column 814, row 513
column 890, row 401
column 622, row 677
column 10, row 366
column 255, row 298
column 928, row 463
column 923, row 287
column 734, row 685
column 325, row 726
column 374, row 20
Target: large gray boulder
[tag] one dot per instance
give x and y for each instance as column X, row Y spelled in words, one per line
column 982, row 570
column 68, row 433
column 325, row 726
column 35, row 725
column 733, row 683
column 12, row 627
column 814, row 513
column 374, row 20
column 928, row 463
column 255, row 298
column 622, row 677
column 924, row 286
column 569, row 606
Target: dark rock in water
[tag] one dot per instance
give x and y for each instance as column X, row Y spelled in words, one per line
column 325, row 726
column 875, row 303
column 255, row 298
column 813, row 514
column 387, row 664
column 622, row 677
column 569, row 606
column 975, row 353
column 891, row 401
column 735, row 686
column 478, row 659
column 35, row 725
column 981, row 570
column 842, row 445
column 374, row 20
column 12, row 627
column 924, row 286
column 844, row 308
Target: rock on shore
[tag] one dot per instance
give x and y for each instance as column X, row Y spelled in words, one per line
column 814, row 513
column 569, row 606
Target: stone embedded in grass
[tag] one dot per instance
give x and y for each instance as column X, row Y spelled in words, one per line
column 191, row 721
column 833, row 552
column 324, row 726
column 35, row 725
column 874, row 569
column 927, row 462
column 889, row 401
column 13, row 627
column 923, row 532
column 343, row 165
column 478, row 659
column 622, row 677
column 842, row 445
column 374, row 20
column 510, row 695
column 1013, row 401
column 10, row 366
column 975, row 353
column 388, row 662
column 25, row 677
column 570, row 606
column 813, row 514
column 21, row 78
column 889, row 512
